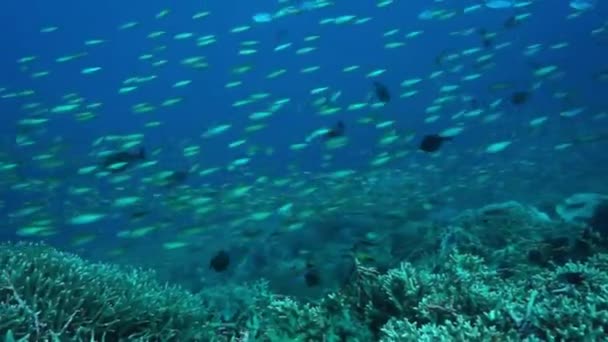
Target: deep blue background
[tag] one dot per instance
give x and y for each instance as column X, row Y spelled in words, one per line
column 208, row 103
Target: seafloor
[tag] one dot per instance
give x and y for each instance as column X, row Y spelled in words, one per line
column 507, row 271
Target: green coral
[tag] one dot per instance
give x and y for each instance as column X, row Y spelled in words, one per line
column 457, row 330
column 569, row 302
column 260, row 314
column 463, row 293
column 47, row 294
column 574, row 302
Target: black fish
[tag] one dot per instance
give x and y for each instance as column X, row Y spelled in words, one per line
column 474, row 103
column 574, row 278
column 220, row 262
column 432, row 142
column 511, row 22
column 586, row 139
column 487, row 42
column 175, row 178
column 486, row 38
column 336, row 132
column 127, row 159
column 139, row 213
column 312, row 278
column 520, row 97
column 382, row 93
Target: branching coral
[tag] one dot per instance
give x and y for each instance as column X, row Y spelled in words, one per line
column 47, row 294
column 464, row 295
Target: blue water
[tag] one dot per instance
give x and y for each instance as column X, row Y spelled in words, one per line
column 207, row 103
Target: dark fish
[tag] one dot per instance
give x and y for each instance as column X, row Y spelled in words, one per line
column 432, row 142
column 138, row 214
column 125, row 158
column 312, row 278
column 448, row 60
column 574, row 278
column 336, row 131
column 486, row 38
column 220, row 262
column 536, row 257
column 593, row 138
column 474, row 103
column 520, row 97
column 511, row 22
column 175, row 178
column 487, row 42
column 382, row 93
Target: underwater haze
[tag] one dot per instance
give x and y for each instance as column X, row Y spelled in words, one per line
column 260, row 155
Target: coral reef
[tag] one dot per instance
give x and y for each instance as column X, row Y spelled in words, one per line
column 482, row 283
column 580, row 207
column 49, row 295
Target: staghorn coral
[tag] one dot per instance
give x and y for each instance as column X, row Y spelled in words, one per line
column 466, row 296
column 567, row 303
column 573, row 301
column 47, row 294
column 458, row 330
column 465, row 301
